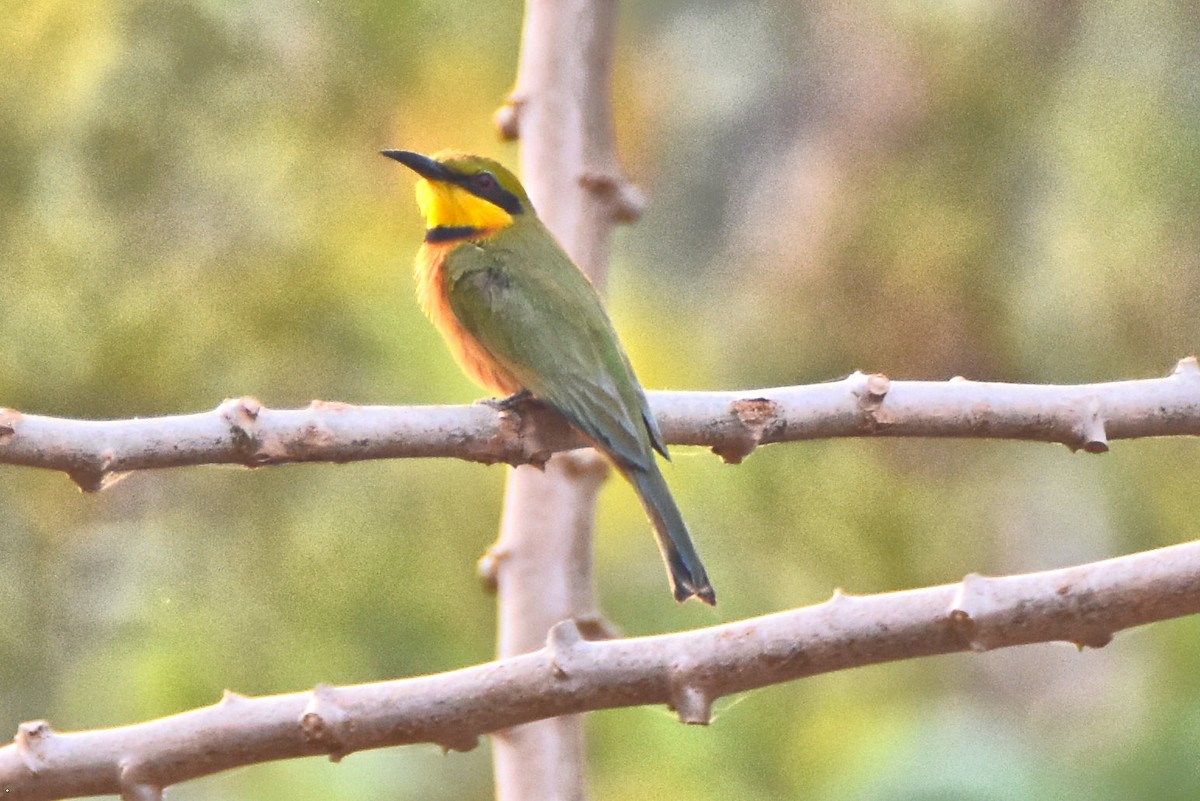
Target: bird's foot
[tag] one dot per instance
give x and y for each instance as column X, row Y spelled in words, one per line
column 509, row 403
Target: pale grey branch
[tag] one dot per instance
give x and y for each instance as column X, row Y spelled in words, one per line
column 1084, row 605
column 733, row 424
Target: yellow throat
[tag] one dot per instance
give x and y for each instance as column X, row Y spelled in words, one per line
column 450, row 206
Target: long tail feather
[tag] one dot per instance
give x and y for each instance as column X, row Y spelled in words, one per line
column 683, row 563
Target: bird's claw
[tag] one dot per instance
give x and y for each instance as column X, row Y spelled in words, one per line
column 509, row 403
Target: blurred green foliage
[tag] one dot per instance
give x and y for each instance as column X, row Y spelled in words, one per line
column 191, row 207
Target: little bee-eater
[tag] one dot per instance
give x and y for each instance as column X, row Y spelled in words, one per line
column 519, row 316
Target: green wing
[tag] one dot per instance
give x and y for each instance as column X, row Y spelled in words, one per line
column 543, row 320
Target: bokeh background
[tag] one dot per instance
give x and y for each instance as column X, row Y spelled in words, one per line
column 192, row 207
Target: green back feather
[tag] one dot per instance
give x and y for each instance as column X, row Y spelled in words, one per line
column 527, row 303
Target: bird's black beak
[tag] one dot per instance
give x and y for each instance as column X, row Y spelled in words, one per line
column 421, row 165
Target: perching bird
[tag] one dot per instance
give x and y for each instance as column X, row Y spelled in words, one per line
column 519, row 316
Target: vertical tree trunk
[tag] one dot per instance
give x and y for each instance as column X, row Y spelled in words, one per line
column 561, row 110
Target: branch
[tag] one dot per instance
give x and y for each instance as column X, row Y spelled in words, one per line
column 242, row 431
column 561, row 107
column 688, row 671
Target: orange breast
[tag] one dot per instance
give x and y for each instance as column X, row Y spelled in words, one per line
column 471, row 355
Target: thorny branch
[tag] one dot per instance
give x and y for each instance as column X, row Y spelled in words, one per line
column 688, row 671
column 243, row 431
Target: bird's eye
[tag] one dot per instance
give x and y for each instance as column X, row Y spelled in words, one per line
column 484, row 182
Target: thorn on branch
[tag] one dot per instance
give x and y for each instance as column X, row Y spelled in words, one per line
column 755, row 415
column 878, row 385
column 961, row 621
column 626, row 202
column 971, row 601
column 230, row 698
column 246, row 409
column 321, row 721
column 1094, row 438
column 596, row 627
column 134, row 790
column 488, row 568
column 1188, row 368
column 8, row 423
column 33, row 737
column 530, row 424
column 839, row 598
column 871, row 390
column 507, row 118
column 691, row 703
column 461, row 742
column 241, row 414
column 564, row 645
column 688, row 696
column 94, row 480
column 1093, row 638
column 96, row 477
column 871, row 394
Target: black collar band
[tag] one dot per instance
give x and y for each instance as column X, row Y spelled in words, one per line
column 451, row 233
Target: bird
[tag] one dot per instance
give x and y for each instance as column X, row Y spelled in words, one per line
column 521, row 319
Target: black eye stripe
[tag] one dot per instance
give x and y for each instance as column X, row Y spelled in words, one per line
column 486, row 186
